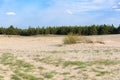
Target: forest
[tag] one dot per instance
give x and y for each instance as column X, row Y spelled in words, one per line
column 62, row 30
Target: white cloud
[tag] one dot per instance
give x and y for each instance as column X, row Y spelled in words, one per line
column 69, row 11
column 118, row 3
column 76, row 7
column 10, row 13
column 116, row 7
column 99, row 1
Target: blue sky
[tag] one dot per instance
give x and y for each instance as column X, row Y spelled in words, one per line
column 24, row 13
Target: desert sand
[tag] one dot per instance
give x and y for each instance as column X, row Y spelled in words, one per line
column 52, row 60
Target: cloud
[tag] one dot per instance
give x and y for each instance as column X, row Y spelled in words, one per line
column 98, row 1
column 84, row 6
column 119, row 3
column 10, row 13
column 69, row 11
column 116, row 7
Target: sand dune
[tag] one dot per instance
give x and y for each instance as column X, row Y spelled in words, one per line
column 100, row 61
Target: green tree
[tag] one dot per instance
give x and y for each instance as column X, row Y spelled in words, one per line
column 11, row 30
column 92, row 30
column 2, row 30
column 118, row 29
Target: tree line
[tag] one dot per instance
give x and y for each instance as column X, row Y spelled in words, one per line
column 62, row 30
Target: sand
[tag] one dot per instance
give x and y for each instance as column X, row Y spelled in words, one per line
column 50, row 53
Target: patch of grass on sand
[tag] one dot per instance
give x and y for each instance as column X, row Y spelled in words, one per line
column 49, row 75
column 66, row 79
column 7, row 59
column 1, row 77
column 41, row 68
column 22, row 64
column 57, row 51
column 76, row 63
column 49, row 60
column 14, row 63
column 100, row 73
column 25, row 76
column 66, row 73
column 15, row 77
column 106, row 62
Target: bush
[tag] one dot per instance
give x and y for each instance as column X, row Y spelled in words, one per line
column 70, row 39
column 84, row 39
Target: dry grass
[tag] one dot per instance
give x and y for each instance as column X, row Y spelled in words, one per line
column 73, row 39
column 70, row 39
column 84, row 39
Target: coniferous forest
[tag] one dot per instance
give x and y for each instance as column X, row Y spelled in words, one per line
column 62, row 30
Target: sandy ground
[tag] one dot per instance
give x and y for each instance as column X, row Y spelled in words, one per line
column 50, row 53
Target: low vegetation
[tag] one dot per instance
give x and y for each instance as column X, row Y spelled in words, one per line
column 70, row 39
column 49, row 62
column 25, row 76
column 76, row 63
column 66, row 73
column 107, row 62
column 73, row 39
column 11, row 60
column 101, row 72
column 49, row 75
column 1, row 77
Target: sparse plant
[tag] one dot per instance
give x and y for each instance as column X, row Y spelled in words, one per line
column 70, row 39
column 49, row 75
column 40, row 68
column 84, row 39
column 66, row 79
column 7, row 59
column 100, row 73
column 66, row 73
column 25, row 65
column 100, row 42
column 28, row 76
column 1, row 77
column 50, row 60
column 107, row 62
column 14, row 63
column 15, row 77
column 76, row 63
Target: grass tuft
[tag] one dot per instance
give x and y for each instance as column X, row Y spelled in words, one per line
column 49, row 75
column 76, row 63
column 70, row 39
column 107, row 62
